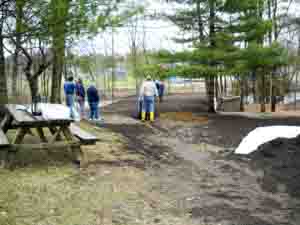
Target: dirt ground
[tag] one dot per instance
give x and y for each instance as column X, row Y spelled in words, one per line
column 199, row 172
column 179, row 170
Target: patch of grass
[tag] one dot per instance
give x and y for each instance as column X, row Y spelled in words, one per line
column 48, row 190
column 265, row 114
column 63, row 195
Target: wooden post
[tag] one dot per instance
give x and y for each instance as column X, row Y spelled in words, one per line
column 77, row 149
column 21, row 132
column 3, row 158
column 69, row 136
column 41, row 134
column 56, row 134
column 53, row 131
column 7, row 120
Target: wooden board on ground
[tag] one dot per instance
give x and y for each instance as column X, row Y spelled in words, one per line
column 84, row 136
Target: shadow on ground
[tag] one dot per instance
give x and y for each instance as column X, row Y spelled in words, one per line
column 137, row 142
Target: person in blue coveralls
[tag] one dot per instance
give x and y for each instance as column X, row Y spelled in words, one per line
column 80, row 94
column 69, row 89
column 93, row 100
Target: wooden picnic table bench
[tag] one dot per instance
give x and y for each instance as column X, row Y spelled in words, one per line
column 64, row 133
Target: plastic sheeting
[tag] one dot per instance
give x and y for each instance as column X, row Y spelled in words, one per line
column 53, row 111
column 262, row 135
column 57, row 111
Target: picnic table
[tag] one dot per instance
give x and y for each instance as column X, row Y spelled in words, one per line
column 64, row 133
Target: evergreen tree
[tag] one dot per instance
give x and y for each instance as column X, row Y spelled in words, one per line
column 234, row 44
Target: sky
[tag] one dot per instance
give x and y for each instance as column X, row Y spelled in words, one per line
column 158, row 35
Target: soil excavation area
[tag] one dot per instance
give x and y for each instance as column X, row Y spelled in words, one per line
column 179, row 170
column 188, row 156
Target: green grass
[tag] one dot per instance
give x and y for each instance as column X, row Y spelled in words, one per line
column 61, row 195
column 47, row 189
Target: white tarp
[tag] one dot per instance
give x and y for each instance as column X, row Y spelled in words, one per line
column 58, row 111
column 262, row 135
column 53, row 111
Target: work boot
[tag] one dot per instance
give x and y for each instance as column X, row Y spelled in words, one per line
column 152, row 116
column 143, row 116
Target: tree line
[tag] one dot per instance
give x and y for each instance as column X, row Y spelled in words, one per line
column 241, row 40
column 234, row 38
column 39, row 35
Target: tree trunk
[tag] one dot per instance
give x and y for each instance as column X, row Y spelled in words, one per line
column 276, row 34
column 263, row 93
column 134, row 55
column 273, row 97
column 60, row 12
column 272, row 17
column 247, row 88
column 19, row 18
column 212, row 34
column 242, row 87
column 3, row 81
column 15, row 73
column 211, row 94
column 34, row 88
column 217, row 88
column 113, row 65
column 221, row 86
column 104, row 83
column 225, row 86
column 57, row 73
column 254, row 87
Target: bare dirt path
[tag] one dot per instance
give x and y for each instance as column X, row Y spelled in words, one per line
column 191, row 162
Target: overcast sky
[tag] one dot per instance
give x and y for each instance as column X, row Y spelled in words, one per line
column 158, row 33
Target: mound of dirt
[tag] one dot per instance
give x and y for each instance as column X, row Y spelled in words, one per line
column 184, row 116
column 278, row 163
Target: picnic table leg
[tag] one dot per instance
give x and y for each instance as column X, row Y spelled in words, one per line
column 7, row 159
column 21, row 132
column 3, row 158
column 68, row 134
column 4, row 153
column 29, row 131
column 11, row 156
column 53, row 131
column 77, row 150
column 7, row 120
column 56, row 134
column 41, row 134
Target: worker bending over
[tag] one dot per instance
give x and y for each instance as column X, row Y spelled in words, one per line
column 148, row 92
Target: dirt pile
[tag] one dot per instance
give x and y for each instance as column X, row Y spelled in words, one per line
column 184, row 116
column 278, row 163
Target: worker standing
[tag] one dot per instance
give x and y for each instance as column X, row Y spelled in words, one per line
column 148, row 92
column 80, row 96
column 69, row 89
column 93, row 100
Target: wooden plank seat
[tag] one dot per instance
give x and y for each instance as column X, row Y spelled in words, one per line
column 84, row 136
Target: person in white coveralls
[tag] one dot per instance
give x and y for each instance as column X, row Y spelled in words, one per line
column 148, row 93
